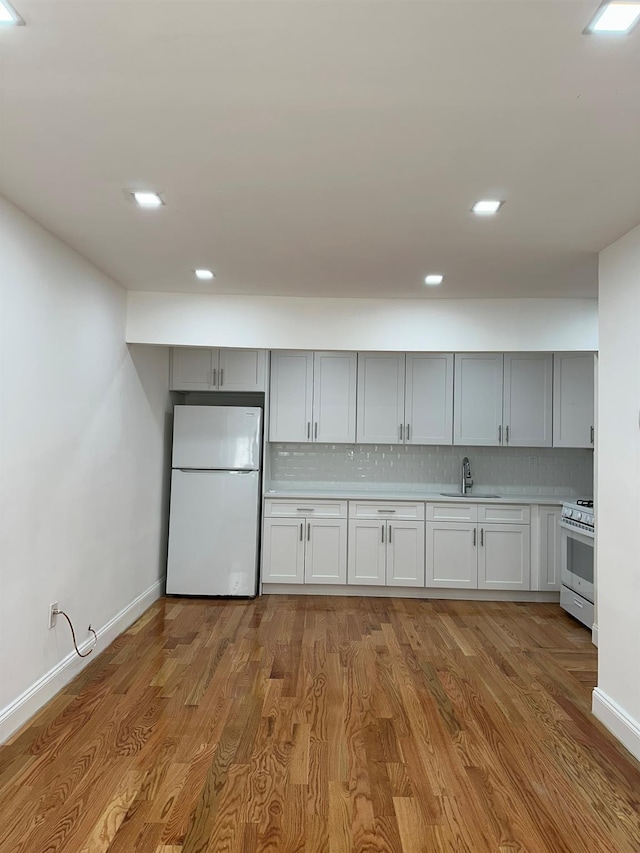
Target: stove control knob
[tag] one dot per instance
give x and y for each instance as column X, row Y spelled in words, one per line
column 569, row 513
column 589, row 519
column 577, row 516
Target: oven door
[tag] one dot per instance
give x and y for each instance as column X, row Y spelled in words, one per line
column 577, row 561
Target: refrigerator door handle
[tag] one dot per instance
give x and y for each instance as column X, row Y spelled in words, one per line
column 216, row 470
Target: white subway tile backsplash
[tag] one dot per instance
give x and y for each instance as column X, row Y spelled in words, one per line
column 539, row 470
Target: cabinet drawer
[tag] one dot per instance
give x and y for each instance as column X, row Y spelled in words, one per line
column 504, row 514
column 278, row 508
column 392, row 510
column 452, row 512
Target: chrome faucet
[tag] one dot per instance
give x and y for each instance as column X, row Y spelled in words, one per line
column 467, row 482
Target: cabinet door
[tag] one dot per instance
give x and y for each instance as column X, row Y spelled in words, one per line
column 192, row 368
column 367, row 552
column 380, row 416
column 429, row 398
column 326, row 551
column 504, row 556
column 528, row 395
column 549, row 551
column 334, row 396
column 573, row 400
column 283, row 550
column 242, row 370
column 452, row 558
column 405, row 553
column 291, row 399
column 477, row 406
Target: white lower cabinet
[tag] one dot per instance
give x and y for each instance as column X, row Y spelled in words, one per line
column 367, row 552
column 386, row 544
column 452, row 559
column 474, row 553
column 504, row 556
column 283, row 550
column 300, row 546
column 326, row 551
column 549, row 552
column 461, row 545
column 405, row 553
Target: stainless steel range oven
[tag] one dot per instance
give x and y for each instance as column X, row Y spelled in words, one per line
column 577, row 533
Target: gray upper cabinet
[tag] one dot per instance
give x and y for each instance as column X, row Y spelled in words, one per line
column 291, row 397
column 477, row 407
column 528, row 397
column 242, row 370
column 313, row 397
column 503, row 399
column 428, row 404
column 573, row 400
column 380, row 398
column 205, row 369
column 405, row 399
column 192, row 369
column 334, row 396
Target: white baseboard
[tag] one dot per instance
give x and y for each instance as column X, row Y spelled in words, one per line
column 616, row 719
column 594, row 634
column 18, row 712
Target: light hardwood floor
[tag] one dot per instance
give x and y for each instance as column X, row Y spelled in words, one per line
column 329, row 725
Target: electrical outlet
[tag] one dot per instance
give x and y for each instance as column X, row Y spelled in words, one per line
column 533, row 462
column 349, row 455
column 53, row 616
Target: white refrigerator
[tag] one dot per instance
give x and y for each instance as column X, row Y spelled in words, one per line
column 215, row 501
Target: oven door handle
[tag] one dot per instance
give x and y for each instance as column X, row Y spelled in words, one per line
column 584, row 533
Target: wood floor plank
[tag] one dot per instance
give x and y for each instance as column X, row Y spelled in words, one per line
column 326, row 725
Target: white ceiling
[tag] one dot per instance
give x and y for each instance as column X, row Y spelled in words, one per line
column 329, row 147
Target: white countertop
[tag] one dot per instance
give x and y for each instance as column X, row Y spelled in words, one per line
column 377, row 493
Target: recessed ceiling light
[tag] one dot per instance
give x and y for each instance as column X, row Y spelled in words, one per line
column 147, row 199
column 8, row 15
column 433, row 278
column 486, row 207
column 204, row 275
column 614, row 18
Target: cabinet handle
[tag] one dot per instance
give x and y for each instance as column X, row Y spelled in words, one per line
column 474, row 536
column 506, row 434
column 215, row 376
column 308, row 430
column 500, row 434
column 401, row 431
column 308, row 532
column 305, row 508
column 578, row 603
column 592, row 435
column 482, row 535
column 301, row 529
column 408, row 431
column 221, row 376
column 390, row 534
column 382, row 532
column 315, row 431
column 386, row 510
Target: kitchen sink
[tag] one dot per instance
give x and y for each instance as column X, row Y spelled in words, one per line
column 468, row 496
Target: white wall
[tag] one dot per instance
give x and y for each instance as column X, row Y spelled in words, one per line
column 472, row 325
column 83, row 443
column 617, row 698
